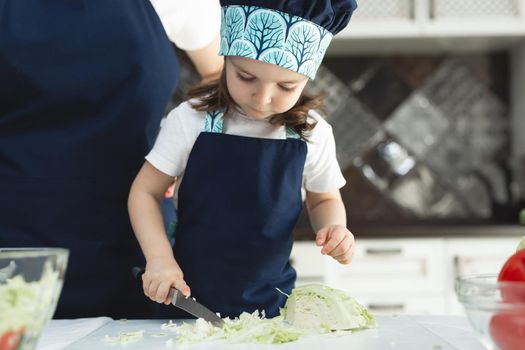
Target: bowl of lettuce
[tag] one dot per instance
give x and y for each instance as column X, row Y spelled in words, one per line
column 31, row 280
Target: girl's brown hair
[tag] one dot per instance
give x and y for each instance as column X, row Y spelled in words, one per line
column 214, row 95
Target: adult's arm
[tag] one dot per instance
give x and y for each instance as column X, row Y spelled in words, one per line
column 207, row 61
column 194, row 26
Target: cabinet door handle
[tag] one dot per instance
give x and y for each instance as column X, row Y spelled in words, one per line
column 456, row 266
column 384, row 251
column 432, row 9
column 386, row 307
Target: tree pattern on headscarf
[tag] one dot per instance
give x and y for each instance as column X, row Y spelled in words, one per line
column 275, row 37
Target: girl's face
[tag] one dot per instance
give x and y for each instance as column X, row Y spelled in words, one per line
column 262, row 89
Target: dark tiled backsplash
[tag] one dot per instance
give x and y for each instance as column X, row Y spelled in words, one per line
column 422, row 138
column 419, row 137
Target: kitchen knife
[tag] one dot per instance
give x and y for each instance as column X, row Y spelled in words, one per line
column 187, row 304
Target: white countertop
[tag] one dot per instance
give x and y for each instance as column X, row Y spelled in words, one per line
column 393, row 332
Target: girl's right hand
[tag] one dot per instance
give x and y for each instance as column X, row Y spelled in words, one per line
column 160, row 276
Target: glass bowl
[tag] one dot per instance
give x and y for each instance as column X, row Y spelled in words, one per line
column 30, row 283
column 496, row 310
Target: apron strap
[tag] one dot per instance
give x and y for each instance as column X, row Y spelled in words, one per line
column 214, row 124
column 291, row 133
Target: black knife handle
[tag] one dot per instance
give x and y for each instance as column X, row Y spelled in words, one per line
column 137, row 272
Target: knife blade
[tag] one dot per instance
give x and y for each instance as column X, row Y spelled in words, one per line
column 187, row 304
column 195, row 308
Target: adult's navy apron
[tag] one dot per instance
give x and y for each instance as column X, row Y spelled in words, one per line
column 83, row 86
column 239, row 201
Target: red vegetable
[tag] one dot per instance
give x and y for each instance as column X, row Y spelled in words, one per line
column 514, row 268
column 513, row 271
column 507, row 330
column 10, row 340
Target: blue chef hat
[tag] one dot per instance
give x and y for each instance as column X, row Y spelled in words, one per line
column 292, row 34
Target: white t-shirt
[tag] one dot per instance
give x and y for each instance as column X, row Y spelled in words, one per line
column 183, row 125
column 190, row 24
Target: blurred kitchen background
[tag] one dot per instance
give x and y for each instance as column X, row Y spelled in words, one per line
column 427, row 104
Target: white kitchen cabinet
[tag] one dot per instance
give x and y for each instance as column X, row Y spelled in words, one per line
column 432, row 26
column 466, row 256
column 378, row 18
column 433, row 18
column 387, row 276
column 405, row 276
column 402, row 303
column 391, row 266
column 475, row 18
column 310, row 264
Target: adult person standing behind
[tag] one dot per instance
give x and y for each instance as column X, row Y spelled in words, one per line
column 83, row 87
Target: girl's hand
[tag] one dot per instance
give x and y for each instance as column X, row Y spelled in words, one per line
column 337, row 242
column 162, row 274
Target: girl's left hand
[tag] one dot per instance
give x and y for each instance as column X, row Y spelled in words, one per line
column 337, row 241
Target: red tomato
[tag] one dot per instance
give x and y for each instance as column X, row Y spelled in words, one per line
column 507, row 330
column 513, row 271
column 514, row 268
column 10, row 340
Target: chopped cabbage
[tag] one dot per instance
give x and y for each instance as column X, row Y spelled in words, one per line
column 159, row 335
column 325, row 309
column 170, row 326
column 248, row 328
column 124, row 338
column 25, row 305
column 310, row 309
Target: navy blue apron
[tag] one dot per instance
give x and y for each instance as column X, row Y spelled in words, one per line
column 238, row 203
column 83, row 86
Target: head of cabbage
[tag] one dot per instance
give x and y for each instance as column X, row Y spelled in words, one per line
column 310, row 309
column 321, row 308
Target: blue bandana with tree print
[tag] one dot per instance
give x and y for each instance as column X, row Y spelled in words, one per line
column 282, row 38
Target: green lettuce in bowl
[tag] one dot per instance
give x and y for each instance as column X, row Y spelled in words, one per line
column 30, row 283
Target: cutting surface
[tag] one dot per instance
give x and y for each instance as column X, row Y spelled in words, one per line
column 393, row 332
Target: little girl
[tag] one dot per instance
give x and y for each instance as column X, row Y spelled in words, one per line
column 243, row 148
